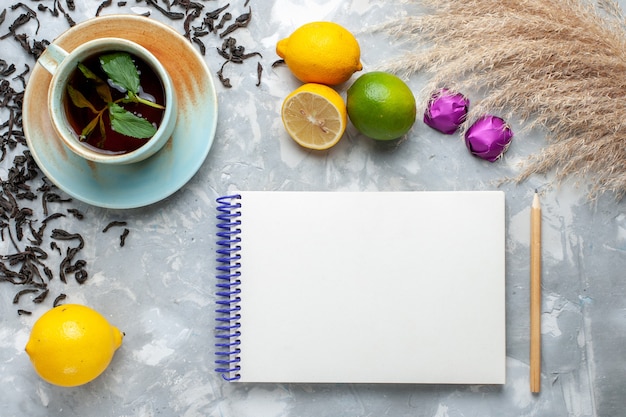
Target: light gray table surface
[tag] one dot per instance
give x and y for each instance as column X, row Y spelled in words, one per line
column 159, row 287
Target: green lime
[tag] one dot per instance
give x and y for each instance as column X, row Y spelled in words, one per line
column 381, row 106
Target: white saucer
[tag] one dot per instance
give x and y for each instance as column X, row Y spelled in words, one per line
column 143, row 183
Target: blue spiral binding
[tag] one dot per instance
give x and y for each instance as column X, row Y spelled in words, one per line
column 227, row 330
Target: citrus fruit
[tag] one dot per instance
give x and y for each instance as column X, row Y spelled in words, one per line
column 315, row 116
column 381, row 106
column 72, row 344
column 321, row 52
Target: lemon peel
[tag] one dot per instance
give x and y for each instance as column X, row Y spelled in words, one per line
column 72, row 344
column 321, row 52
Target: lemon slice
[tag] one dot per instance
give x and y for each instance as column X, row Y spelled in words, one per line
column 315, row 116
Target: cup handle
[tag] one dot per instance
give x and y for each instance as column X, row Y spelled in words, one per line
column 51, row 57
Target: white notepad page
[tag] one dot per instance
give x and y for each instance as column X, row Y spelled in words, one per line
column 373, row 287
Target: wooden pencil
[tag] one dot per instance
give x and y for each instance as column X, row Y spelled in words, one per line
column 535, row 295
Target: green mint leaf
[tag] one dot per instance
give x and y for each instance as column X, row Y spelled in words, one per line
column 102, row 88
column 126, row 123
column 120, row 68
column 79, row 100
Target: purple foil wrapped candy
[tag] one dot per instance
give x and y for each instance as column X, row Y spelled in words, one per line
column 488, row 138
column 446, row 111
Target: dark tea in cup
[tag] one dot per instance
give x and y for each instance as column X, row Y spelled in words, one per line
column 91, row 91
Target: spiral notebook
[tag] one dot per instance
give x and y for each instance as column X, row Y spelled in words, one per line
column 361, row 287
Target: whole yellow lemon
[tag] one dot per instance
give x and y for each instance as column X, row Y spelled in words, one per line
column 321, row 52
column 72, row 344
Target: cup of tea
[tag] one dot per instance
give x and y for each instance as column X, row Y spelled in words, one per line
column 110, row 100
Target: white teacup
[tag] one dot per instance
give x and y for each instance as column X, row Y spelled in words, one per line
column 62, row 64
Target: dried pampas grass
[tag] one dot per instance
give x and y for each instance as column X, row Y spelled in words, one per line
column 555, row 64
